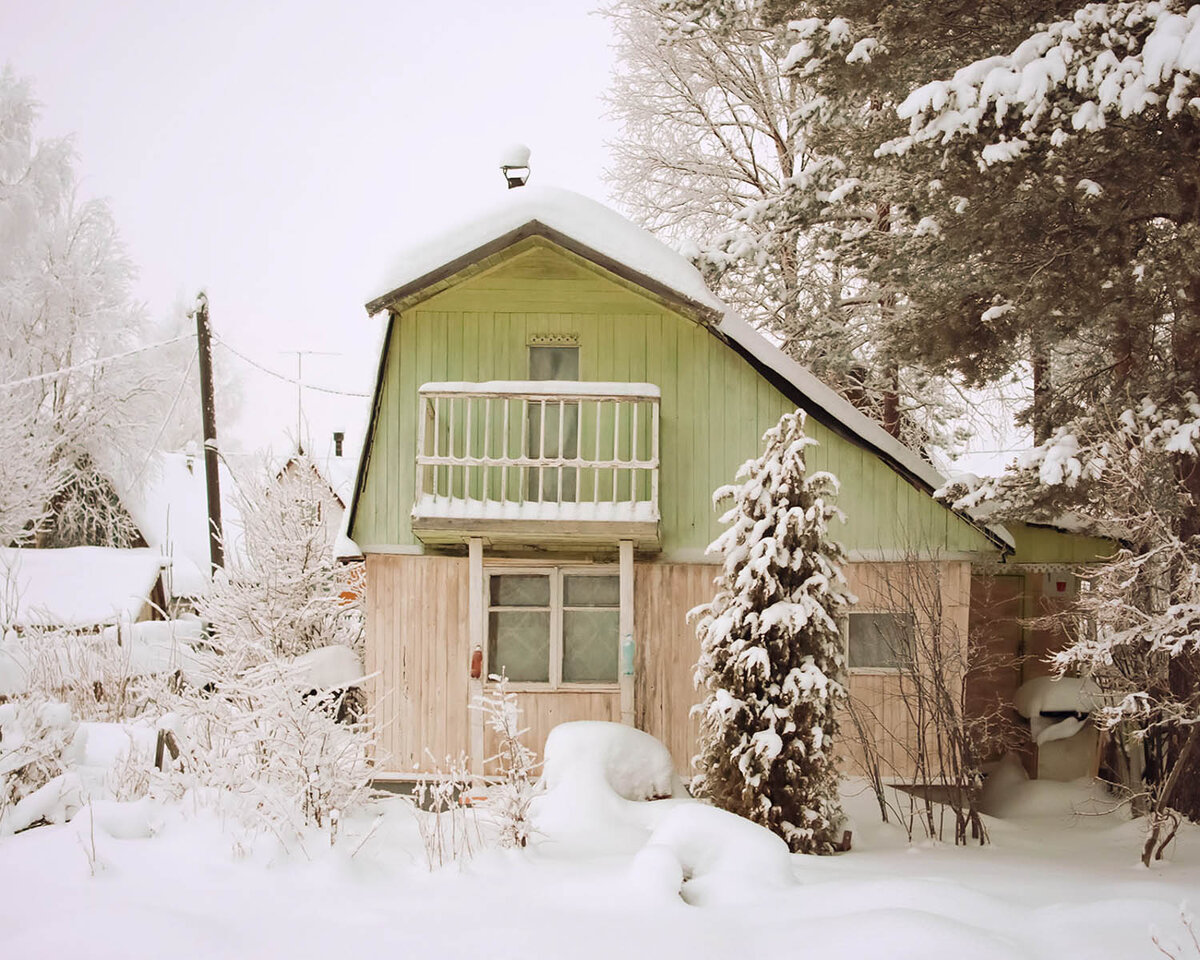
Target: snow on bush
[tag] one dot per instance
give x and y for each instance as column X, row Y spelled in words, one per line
column 770, row 649
column 509, row 798
column 37, row 748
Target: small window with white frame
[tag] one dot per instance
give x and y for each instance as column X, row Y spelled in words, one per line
column 879, row 641
column 558, row 626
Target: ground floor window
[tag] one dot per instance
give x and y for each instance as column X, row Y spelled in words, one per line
column 554, row 625
column 879, row 641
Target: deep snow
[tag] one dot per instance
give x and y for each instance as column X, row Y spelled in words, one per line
column 1053, row 885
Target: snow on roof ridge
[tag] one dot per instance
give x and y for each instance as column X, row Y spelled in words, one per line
column 585, row 220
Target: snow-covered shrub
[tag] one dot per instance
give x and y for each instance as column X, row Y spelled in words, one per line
column 513, row 764
column 278, row 731
column 771, row 658
column 118, row 673
column 36, row 738
column 284, row 759
column 283, row 588
column 447, row 821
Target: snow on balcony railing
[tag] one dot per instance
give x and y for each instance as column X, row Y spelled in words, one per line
column 538, row 450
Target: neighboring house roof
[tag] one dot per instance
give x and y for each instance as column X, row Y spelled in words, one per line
column 75, row 586
column 170, row 506
column 608, row 239
column 338, row 473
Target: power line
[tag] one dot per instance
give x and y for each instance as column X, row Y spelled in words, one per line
column 284, row 377
column 87, row 364
column 167, row 419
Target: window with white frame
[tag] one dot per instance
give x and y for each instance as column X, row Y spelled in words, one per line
column 879, row 641
column 554, row 625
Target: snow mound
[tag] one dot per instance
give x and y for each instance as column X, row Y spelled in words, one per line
column 1009, row 794
column 633, row 764
column 327, row 668
column 597, row 776
column 1056, row 694
column 163, row 646
column 707, row 855
column 514, row 155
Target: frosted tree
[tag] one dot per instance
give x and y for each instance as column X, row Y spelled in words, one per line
column 80, row 400
column 282, row 590
column 771, row 658
column 1115, row 475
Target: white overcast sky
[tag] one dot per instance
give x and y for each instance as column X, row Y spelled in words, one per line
column 280, row 154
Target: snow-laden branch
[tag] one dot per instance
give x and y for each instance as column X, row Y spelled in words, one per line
column 1108, row 61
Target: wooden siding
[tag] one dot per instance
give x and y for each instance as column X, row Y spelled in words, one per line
column 1045, row 545
column 715, row 405
column 418, row 645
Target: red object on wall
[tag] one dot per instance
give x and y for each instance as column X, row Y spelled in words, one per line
column 476, row 663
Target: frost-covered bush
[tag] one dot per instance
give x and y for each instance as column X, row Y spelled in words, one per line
column 283, row 588
column 255, row 739
column 770, row 649
column 35, row 748
column 119, row 673
column 514, row 764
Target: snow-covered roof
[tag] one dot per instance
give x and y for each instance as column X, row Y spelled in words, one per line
column 600, row 229
column 169, row 504
column 587, row 222
column 75, row 586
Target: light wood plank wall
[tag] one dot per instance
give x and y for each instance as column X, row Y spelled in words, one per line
column 418, row 645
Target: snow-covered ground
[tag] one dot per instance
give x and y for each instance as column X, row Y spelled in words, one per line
column 174, row 881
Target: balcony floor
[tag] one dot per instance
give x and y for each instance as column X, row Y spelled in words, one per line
column 438, row 520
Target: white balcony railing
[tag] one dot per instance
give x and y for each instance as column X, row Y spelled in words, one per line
column 542, row 452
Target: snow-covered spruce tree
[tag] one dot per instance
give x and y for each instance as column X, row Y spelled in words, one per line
column 770, row 649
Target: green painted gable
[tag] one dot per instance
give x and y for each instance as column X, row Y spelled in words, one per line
column 715, row 406
column 1049, row 545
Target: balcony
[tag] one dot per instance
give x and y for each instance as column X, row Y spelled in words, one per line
column 545, row 463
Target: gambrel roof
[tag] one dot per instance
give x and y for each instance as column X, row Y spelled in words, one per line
column 605, row 238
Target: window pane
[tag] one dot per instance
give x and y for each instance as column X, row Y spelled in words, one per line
column 590, row 646
column 592, row 591
column 553, row 363
column 520, row 590
column 519, row 644
column 879, row 640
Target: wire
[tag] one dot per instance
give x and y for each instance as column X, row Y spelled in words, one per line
column 286, row 379
column 86, row 364
column 167, row 419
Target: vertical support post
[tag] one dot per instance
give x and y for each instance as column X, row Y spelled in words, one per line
column 475, row 613
column 628, row 646
column 216, row 548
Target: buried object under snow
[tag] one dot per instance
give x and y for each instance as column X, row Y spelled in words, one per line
column 613, row 789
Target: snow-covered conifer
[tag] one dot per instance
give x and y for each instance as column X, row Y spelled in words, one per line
column 771, row 656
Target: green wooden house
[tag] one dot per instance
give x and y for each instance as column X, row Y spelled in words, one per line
column 558, row 396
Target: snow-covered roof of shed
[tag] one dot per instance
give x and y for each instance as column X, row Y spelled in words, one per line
column 601, row 229
column 75, row 586
column 169, row 504
column 584, row 220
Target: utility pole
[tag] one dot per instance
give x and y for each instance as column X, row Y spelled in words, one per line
column 216, row 549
